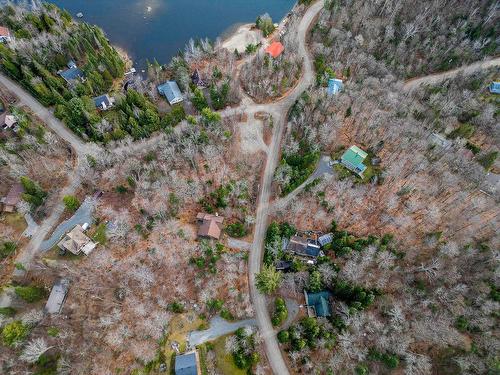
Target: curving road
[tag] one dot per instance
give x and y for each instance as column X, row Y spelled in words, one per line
column 279, row 111
column 439, row 77
column 81, row 148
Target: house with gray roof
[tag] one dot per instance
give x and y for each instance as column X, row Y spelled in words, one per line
column 57, row 297
column 187, row 364
column 171, row 91
column 304, row 248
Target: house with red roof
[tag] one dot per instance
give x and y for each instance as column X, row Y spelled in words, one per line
column 4, row 35
column 275, row 49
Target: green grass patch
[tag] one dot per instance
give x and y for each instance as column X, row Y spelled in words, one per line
column 100, row 234
column 223, row 360
column 30, row 293
column 7, row 311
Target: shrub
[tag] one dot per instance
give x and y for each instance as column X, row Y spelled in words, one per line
column 280, row 312
column 236, row 229
column 176, row 307
column 283, row 336
column 14, row 332
column 6, row 249
column 7, row 311
column 268, row 280
column 33, row 193
column 30, row 293
column 71, row 202
column 488, row 160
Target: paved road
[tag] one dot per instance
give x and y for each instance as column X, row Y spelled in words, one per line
column 279, row 111
column 439, row 77
column 218, row 327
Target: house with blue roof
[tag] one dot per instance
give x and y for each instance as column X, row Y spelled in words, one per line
column 72, row 74
column 103, row 102
column 353, row 159
column 187, row 364
column 318, row 304
column 334, row 86
column 171, row 91
column 495, row 87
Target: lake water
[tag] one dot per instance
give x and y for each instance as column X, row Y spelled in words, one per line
column 149, row 29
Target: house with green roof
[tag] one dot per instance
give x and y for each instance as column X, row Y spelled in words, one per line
column 353, row 160
column 318, row 304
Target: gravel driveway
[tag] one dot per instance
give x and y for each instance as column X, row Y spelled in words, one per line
column 218, row 327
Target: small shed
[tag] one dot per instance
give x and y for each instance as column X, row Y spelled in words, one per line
column 104, row 102
column 334, row 86
column 57, row 297
column 10, row 122
column 325, row 239
column 71, row 64
column 13, row 197
column 171, row 91
column 275, row 49
column 353, row 160
column 187, row 364
column 495, row 87
column 318, row 304
column 197, row 80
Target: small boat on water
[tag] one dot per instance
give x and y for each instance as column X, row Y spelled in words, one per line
column 79, row 15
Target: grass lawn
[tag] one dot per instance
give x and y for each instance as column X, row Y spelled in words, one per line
column 224, row 361
column 178, row 329
column 99, row 234
column 15, row 221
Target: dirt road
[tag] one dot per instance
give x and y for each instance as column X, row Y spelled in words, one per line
column 279, row 111
column 81, row 148
column 439, row 77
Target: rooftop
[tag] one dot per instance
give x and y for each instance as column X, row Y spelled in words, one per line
column 495, row 87
column 319, row 302
column 103, row 101
column 14, row 195
column 57, row 297
column 209, row 225
column 186, row 364
column 72, row 74
column 171, row 91
column 4, row 31
column 275, row 49
column 77, row 241
column 334, row 86
column 304, row 247
column 353, row 158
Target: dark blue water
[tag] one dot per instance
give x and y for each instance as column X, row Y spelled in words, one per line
column 166, row 28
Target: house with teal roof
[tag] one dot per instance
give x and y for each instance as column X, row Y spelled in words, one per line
column 353, row 159
column 334, row 86
column 318, row 304
column 495, row 87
